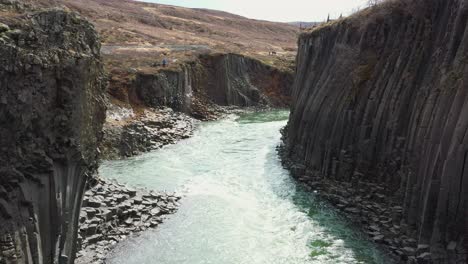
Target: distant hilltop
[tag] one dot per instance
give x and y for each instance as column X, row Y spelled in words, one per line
column 304, row 24
column 125, row 22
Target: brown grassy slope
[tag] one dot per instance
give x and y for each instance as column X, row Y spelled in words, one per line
column 125, row 22
column 136, row 36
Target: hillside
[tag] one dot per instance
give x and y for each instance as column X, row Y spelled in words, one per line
column 137, row 36
column 125, row 22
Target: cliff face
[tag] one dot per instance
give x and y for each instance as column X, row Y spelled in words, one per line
column 168, row 87
column 223, row 79
column 233, row 79
column 51, row 115
column 381, row 98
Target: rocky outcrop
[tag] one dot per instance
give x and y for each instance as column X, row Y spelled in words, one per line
column 112, row 212
column 205, row 89
column 222, row 79
column 51, row 115
column 150, row 130
column 233, row 79
column 379, row 113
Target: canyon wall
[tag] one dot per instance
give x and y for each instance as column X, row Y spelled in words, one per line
column 51, row 115
column 380, row 112
column 223, row 79
column 168, row 87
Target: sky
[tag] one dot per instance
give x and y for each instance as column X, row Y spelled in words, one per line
column 274, row 10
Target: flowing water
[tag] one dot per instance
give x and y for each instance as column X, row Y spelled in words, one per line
column 239, row 206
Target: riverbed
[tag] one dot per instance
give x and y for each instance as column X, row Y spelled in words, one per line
column 239, row 205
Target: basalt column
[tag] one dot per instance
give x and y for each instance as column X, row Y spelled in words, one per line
column 381, row 98
column 51, row 115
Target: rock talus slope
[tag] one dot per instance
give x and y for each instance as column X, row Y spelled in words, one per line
column 382, row 97
column 51, row 115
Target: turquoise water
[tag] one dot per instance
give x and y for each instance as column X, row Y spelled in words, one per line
column 239, row 207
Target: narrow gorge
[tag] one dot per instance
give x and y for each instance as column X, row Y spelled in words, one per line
column 144, row 133
column 204, row 88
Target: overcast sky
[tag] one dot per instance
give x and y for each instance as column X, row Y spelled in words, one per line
column 284, row 11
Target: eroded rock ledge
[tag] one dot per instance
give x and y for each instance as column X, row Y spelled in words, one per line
column 112, row 212
column 51, row 115
column 379, row 124
column 127, row 133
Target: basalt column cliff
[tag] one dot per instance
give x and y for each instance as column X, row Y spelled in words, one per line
column 223, row 79
column 379, row 123
column 51, row 114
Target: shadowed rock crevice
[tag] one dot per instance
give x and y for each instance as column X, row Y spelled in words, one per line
column 51, row 115
column 380, row 106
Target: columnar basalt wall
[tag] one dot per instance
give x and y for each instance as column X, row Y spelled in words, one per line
column 382, row 97
column 170, row 88
column 223, row 79
column 234, row 79
column 51, row 115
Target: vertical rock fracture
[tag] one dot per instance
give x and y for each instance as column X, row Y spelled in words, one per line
column 381, row 99
column 223, row 79
column 51, row 115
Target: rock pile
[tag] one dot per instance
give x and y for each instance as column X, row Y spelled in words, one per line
column 370, row 206
column 152, row 130
column 111, row 212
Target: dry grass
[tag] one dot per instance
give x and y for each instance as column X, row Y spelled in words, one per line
column 143, row 30
column 143, row 27
column 123, row 22
column 370, row 14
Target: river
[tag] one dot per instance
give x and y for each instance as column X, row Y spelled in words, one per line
column 239, row 206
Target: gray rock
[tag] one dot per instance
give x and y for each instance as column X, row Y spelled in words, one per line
column 90, row 212
column 156, row 212
column 40, row 145
column 451, row 246
column 107, row 214
column 378, row 238
column 94, row 239
column 94, row 203
column 114, row 223
column 422, row 248
column 409, row 251
column 91, row 229
column 357, row 107
column 138, row 200
column 426, row 256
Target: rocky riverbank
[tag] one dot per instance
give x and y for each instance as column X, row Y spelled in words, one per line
column 367, row 205
column 128, row 134
column 112, row 212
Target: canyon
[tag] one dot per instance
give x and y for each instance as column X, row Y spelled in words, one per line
column 199, row 89
column 55, row 93
column 375, row 136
